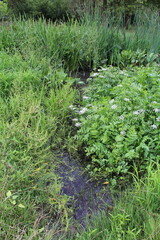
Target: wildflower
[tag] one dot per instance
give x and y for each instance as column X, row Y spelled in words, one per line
column 156, row 110
column 123, row 133
column 154, row 126
column 94, row 74
column 89, row 105
column 126, row 99
column 78, row 124
column 114, row 106
column 158, row 119
column 103, row 69
column 136, row 112
column 121, row 117
column 154, row 102
column 111, row 101
column 85, row 97
column 75, row 119
column 119, row 85
column 72, row 107
column 83, row 110
column 101, row 76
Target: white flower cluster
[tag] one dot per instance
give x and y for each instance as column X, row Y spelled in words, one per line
column 114, row 106
column 154, row 126
column 85, row 97
column 121, row 117
column 157, row 110
column 75, row 119
column 138, row 112
column 83, row 110
column 72, row 107
column 158, row 119
column 123, row 133
column 111, row 101
column 78, row 124
column 94, row 74
column 126, row 99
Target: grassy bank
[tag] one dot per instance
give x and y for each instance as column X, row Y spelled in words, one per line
column 135, row 216
column 34, row 113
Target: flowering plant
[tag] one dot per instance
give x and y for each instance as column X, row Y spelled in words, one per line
column 121, row 129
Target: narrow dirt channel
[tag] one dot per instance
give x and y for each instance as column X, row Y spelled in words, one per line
column 86, row 196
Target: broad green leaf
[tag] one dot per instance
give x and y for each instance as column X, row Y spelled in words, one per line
column 9, row 194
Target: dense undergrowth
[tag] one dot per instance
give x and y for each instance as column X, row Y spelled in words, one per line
column 87, row 43
column 119, row 122
column 34, row 112
column 120, row 126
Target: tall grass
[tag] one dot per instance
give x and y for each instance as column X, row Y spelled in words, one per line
column 34, row 111
column 84, row 44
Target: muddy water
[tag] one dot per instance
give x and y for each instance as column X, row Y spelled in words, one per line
column 86, row 196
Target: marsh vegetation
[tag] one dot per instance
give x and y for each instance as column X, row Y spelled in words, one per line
column 111, row 121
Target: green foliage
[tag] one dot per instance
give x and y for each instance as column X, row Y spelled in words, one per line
column 120, row 129
column 34, row 111
column 86, row 44
column 136, row 58
column 3, row 9
column 50, row 9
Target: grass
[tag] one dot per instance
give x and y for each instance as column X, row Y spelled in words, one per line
column 34, row 122
column 34, row 109
column 79, row 45
column 135, row 215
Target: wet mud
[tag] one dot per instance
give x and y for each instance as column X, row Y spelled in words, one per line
column 86, row 196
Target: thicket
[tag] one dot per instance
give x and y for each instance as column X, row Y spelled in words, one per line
column 50, row 9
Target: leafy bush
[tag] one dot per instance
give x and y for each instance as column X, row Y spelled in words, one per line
column 3, row 9
column 50, row 9
column 136, row 58
column 120, row 129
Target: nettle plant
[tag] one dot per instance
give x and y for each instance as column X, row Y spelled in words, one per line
column 120, row 131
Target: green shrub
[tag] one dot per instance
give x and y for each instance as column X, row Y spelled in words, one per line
column 50, row 9
column 3, row 10
column 120, row 128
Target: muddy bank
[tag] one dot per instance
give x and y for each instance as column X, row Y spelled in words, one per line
column 86, row 196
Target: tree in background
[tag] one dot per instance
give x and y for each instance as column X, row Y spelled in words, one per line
column 56, row 9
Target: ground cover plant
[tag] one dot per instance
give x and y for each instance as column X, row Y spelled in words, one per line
column 120, row 125
column 34, row 107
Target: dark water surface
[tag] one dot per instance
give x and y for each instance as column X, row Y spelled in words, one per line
column 86, row 196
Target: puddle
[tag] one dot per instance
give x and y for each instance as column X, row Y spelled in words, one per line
column 86, row 196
